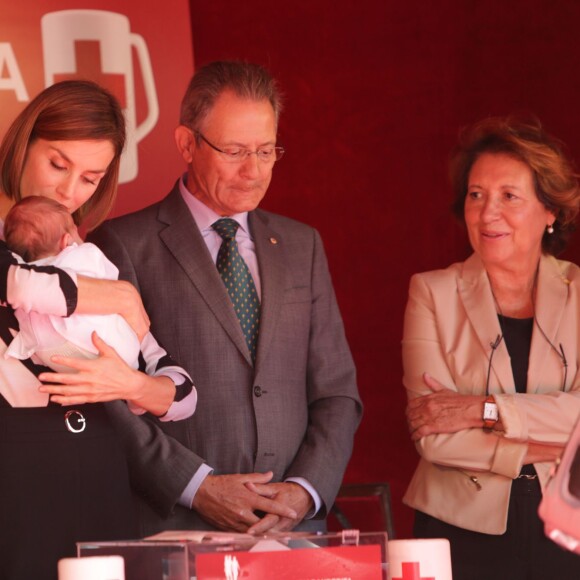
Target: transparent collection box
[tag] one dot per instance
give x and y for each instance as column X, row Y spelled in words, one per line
column 183, row 555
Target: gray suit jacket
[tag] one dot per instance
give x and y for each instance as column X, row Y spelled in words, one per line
column 295, row 413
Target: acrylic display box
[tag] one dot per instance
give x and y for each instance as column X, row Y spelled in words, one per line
column 188, row 555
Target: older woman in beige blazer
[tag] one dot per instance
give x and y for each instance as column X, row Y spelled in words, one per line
column 491, row 352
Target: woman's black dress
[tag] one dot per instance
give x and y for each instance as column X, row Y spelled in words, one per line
column 61, row 481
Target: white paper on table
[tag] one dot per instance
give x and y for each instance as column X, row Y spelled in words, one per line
column 198, row 536
column 18, row 385
column 268, row 546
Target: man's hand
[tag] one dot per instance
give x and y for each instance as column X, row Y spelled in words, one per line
column 288, row 493
column 228, row 502
column 443, row 411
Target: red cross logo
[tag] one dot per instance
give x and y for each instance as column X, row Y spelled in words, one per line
column 411, row 572
column 88, row 59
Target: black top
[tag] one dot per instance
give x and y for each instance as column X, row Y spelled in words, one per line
column 517, row 333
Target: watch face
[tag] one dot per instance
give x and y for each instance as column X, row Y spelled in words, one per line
column 490, row 412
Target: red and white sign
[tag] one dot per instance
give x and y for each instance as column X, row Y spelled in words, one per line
column 339, row 563
column 122, row 47
column 99, row 43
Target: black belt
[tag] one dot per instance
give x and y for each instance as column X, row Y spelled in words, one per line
column 81, row 420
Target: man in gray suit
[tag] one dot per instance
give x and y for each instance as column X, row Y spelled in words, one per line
column 277, row 399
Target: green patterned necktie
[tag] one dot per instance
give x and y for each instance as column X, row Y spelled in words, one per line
column 238, row 281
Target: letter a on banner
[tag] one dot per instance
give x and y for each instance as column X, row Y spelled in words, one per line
column 10, row 76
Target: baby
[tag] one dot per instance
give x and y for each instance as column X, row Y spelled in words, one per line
column 40, row 231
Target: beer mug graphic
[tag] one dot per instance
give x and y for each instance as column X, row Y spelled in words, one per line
column 111, row 66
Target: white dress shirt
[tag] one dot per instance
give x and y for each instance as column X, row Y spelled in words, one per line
column 204, row 217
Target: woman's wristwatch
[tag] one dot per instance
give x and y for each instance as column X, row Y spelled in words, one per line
column 490, row 413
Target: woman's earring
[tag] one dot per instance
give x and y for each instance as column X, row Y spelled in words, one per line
column 550, row 228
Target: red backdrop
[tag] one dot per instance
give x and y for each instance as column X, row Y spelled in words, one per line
column 376, row 91
column 375, row 94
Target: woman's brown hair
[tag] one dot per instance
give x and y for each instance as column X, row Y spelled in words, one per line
column 74, row 110
column 555, row 180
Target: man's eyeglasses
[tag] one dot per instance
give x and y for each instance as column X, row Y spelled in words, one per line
column 267, row 154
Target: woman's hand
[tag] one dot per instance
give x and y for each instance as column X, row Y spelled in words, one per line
column 443, row 411
column 107, row 378
column 96, row 296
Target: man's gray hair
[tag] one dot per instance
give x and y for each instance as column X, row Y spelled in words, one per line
column 245, row 80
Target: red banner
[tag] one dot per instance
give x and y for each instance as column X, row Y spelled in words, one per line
column 340, row 563
column 123, row 47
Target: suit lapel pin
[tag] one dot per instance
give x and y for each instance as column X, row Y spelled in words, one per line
column 273, row 241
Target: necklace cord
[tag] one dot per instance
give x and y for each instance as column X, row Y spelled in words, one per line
column 494, row 345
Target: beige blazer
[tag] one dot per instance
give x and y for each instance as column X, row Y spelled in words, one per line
column 450, row 323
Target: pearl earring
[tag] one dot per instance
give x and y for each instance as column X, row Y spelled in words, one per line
column 550, row 228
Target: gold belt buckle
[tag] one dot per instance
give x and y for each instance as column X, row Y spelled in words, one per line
column 78, row 418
